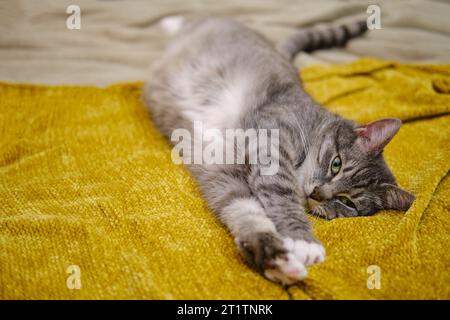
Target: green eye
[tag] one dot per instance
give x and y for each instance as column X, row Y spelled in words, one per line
column 346, row 201
column 336, row 165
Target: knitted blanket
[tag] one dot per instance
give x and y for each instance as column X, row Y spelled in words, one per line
column 91, row 205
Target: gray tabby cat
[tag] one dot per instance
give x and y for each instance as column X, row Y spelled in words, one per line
column 223, row 74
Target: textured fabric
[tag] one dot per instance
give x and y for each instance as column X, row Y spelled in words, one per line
column 87, row 180
column 117, row 39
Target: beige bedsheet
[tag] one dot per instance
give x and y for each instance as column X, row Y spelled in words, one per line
column 118, row 39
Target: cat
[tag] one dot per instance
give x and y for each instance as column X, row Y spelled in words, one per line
column 225, row 75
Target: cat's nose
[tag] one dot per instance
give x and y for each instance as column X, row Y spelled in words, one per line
column 316, row 194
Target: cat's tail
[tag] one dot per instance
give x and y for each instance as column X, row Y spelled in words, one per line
column 321, row 37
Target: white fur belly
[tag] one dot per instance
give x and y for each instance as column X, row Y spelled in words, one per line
column 223, row 109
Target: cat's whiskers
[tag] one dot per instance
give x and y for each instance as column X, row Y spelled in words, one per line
column 303, row 137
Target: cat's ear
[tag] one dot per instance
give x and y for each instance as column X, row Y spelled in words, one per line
column 396, row 198
column 374, row 136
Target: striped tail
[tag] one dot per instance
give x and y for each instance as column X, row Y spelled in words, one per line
column 314, row 38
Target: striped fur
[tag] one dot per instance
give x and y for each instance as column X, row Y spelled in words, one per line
column 321, row 37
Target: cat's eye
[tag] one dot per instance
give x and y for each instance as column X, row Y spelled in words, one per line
column 349, row 203
column 336, row 165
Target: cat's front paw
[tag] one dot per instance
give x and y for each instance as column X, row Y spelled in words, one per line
column 308, row 253
column 300, row 254
column 262, row 249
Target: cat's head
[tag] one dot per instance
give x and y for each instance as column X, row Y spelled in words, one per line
column 345, row 174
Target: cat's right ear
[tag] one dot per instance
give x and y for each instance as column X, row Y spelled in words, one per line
column 374, row 136
column 397, row 198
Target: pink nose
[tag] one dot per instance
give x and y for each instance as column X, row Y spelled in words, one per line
column 316, row 194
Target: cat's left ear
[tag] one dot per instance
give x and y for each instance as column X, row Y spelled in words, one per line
column 374, row 136
column 396, row 198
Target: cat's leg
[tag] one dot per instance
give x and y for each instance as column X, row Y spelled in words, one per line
column 282, row 207
column 229, row 196
column 280, row 197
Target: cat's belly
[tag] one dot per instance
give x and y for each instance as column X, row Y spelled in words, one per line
column 215, row 73
column 220, row 109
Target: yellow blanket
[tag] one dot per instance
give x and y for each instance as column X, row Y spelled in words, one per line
column 90, row 199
